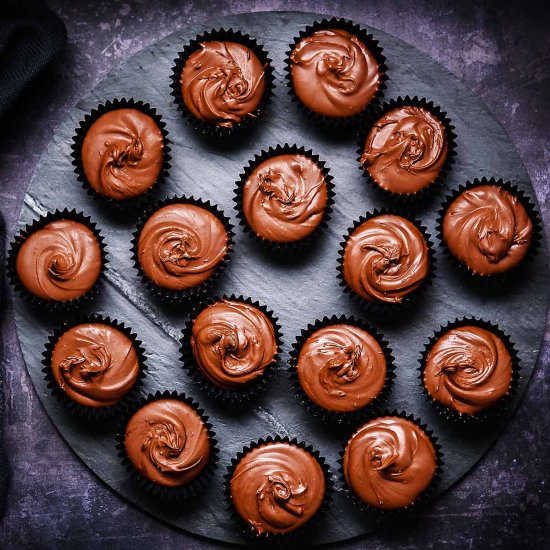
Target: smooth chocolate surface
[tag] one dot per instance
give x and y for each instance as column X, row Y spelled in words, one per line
column 341, row 368
column 59, row 262
column 222, row 83
column 167, row 442
column 385, row 259
column 284, row 198
column 487, row 229
column 405, row 150
column 468, row 369
column 233, row 343
column 277, row 487
column 389, row 462
column 122, row 153
column 333, row 73
column 95, row 364
column 181, row 245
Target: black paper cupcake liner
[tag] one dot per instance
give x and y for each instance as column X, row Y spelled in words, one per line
column 276, row 539
column 93, row 413
column 131, row 204
column 372, row 45
column 285, row 149
column 51, row 305
column 497, row 280
column 171, row 494
column 497, row 410
column 352, row 417
column 211, row 130
column 425, row 194
column 237, row 398
column 387, row 308
column 421, row 500
column 199, row 292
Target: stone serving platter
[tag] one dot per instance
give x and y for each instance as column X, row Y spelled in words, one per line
column 299, row 290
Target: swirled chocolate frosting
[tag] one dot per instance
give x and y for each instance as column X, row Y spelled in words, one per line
column 488, row 229
column 233, row 343
column 284, row 198
column 167, row 442
column 341, row 368
column 277, row 487
column 122, row 153
column 181, row 245
column 385, row 259
column 60, row 262
column 389, row 462
column 468, row 369
column 222, row 83
column 405, row 150
column 95, row 364
column 333, row 73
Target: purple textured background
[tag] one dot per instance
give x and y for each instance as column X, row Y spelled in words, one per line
column 502, row 52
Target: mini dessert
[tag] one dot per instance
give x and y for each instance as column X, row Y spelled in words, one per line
column 341, row 368
column 167, row 442
column 95, row 364
column 468, row 370
column 122, row 153
column 277, row 487
column 181, row 245
column 59, row 262
column 389, row 462
column 222, row 83
column 385, row 259
column 333, row 73
column 487, row 229
column 284, row 198
column 233, row 343
column 405, row 150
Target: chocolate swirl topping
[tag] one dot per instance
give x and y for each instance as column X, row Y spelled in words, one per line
column 389, row 462
column 167, row 442
column 181, row 245
column 233, row 343
column 95, row 364
column 488, row 229
column 468, row 369
column 122, row 153
column 60, row 262
column 277, row 487
column 341, row 368
column 385, row 259
column 333, row 73
column 222, row 83
column 284, row 198
column 405, row 150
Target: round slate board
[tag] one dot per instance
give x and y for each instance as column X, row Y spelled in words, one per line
column 298, row 291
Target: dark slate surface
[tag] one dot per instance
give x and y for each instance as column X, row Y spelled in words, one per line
column 37, row 512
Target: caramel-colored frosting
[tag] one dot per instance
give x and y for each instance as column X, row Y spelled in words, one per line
column 405, row 150
column 333, row 73
column 233, row 343
column 277, row 487
column 122, row 153
column 167, row 442
column 488, row 229
column 284, row 198
column 60, row 262
column 341, row 368
column 385, row 259
column 95, row 364
column 181, row 245
column 389, row 462
column 222, row 83
column 468, row 369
